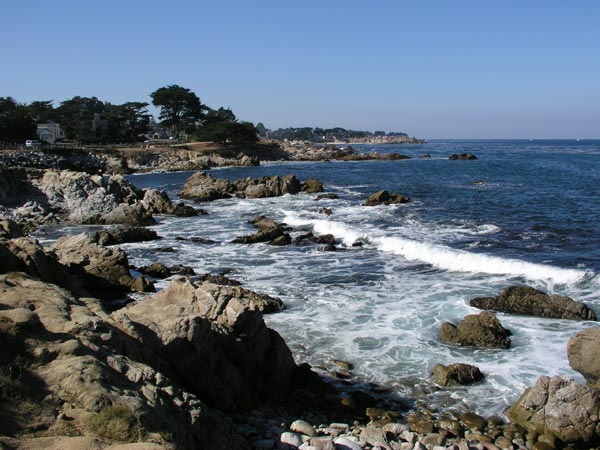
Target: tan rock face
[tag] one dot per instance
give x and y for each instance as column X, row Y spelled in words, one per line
column 559, row 406
column 73, row 360
column 584, row 354
column 106, row 267
column 215, row 339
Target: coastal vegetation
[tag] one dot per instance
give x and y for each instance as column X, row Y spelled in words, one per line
column 89, row 120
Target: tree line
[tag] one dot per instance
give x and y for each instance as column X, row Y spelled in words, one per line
column 90, row 120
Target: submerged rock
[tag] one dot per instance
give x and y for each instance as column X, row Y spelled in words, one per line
column 477, row 330
column 528, row 301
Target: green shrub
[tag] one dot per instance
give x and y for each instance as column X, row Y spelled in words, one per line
column 116, row 423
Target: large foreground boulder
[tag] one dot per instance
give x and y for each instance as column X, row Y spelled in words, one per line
column 528, row 301
column 560, row 406
column 584, row 354
column 65, row 368
column 215, row 340
column 482, row 330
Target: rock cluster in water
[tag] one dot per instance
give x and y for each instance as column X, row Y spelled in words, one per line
column 203, row 187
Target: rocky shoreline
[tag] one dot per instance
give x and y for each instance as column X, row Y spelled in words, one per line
column 195, row 366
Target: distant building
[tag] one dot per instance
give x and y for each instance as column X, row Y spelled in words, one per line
column 50, row 132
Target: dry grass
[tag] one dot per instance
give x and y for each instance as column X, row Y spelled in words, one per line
column 116, row 423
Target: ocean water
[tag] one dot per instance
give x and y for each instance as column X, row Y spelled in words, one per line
column 524, row 212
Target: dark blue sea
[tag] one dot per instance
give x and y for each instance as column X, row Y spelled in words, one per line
column 524, row 212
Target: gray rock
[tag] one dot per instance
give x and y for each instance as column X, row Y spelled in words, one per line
column 214, row 338
column 584, row 354
column 156, row 270
column 373, row 436
column 303, row 427
column 559, row 406
column 104, row 268
column 293, row 440
column 385, row 198
column 528, row 301
column 142, row 284
column 322, row 443
column 477, row 330
column 343, row 443
column 457, row 374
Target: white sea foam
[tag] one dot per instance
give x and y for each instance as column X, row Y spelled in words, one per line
column 441, row 256
column 462, row 261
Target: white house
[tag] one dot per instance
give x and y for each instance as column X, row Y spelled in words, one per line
column 50, row 132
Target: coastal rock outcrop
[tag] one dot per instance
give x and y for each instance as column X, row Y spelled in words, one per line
column 385, row 198
column 583, row 351
column 203, row 187
column 39, row 196
column 67, row 363
column 528, row 301
column 477, row 330
column 26, row 255
column 457, row 374
column 215, row 340
column 104, row 269
column 560, row 406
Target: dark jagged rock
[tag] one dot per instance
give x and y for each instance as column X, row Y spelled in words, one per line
column 219, row 279
column 326, row 197
column 122, row 235
column 182, row 270
column 385, row 198
column 156, row 270
column 9, row 229
column 269, row 231
column 477, row 330
column 462, row 156
column 528, row 301
column 457, row 374
column 312, row 186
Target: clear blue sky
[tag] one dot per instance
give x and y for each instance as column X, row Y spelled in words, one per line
column 434, row 69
